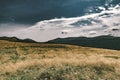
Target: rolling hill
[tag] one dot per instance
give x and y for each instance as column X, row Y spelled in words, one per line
column 15, row 39
column 107, row 42
column 42, row 61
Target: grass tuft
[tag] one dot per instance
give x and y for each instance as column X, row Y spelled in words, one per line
column 33, row 61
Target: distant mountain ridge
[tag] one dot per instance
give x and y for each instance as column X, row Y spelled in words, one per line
column 107, row 42
column 15, row 39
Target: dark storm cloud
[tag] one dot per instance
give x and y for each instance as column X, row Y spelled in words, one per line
column 31, row 11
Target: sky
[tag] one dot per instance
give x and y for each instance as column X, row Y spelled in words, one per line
column 43, row 20
column 32, row 11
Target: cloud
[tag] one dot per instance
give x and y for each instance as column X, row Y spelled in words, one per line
column 106, row 22
column 8, row 28
column 32, row 11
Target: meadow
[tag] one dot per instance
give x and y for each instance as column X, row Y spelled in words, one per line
column 37, row 61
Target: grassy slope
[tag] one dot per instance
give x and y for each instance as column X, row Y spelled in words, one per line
column 15, row 39
column 32, row 61
column 107, row 42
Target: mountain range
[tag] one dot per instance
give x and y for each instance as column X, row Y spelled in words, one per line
column 15, row 39
column 107, row 42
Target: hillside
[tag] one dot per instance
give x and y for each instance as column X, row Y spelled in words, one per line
column 107, row 42
column 35, row 61
column 15, row 39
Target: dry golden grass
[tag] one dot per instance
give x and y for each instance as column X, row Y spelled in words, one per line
column 32, row 61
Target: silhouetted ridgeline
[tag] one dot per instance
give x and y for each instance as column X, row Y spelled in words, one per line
column 107, row 42
column 15, row 39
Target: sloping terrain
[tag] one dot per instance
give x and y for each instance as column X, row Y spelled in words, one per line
column 15, row 39
column 35, row 61
column 107, row 42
